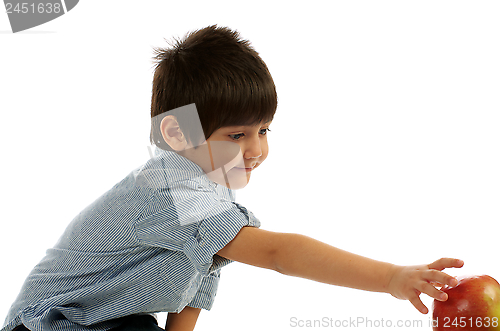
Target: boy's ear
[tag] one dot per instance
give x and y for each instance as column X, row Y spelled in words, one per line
column 172, row 134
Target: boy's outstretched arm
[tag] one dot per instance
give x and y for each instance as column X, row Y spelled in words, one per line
column 301, row 256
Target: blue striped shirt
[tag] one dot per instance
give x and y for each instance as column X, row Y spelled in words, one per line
column 147, row 245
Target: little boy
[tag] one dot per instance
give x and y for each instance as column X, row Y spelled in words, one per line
column 158, row 239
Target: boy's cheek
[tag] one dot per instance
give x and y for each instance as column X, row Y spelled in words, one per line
column 225, row 154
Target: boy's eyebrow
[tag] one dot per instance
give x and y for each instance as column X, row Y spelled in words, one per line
column 244, row 126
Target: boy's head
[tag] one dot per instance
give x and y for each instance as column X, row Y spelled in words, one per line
column 221, row 74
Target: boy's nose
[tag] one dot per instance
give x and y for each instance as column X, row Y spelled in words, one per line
column 253, row 150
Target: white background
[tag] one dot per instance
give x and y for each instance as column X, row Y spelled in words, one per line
column 385, row 143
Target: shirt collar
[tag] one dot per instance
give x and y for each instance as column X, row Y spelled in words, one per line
column 172, row 160
column 176, row 168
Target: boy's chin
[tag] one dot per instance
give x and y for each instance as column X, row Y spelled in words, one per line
column 233, row 181
column 236, row 186
column 237, row 179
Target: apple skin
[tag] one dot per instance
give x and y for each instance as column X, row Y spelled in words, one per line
column 473, row 304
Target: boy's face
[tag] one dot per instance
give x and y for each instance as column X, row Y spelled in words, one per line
column 231, row 153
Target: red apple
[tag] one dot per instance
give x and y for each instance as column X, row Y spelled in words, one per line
column 473, row 304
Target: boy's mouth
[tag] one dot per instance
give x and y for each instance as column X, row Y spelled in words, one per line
column 247, row 169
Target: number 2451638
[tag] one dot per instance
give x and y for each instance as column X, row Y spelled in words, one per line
column 40, row 8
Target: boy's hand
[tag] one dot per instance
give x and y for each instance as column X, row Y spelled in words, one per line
column 408, row 283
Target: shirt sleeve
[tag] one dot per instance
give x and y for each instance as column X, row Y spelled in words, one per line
column 205, row 295
column 215, row 232
column 206, row 224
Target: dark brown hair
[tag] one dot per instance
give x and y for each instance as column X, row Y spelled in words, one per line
column 217, row 71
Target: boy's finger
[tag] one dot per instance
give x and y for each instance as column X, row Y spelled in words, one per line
column 433, row 292
column 444, row 263
column 417, row 303
column 441, row 278
column 437, row 284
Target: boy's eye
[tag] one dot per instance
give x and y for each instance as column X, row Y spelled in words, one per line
column 236, row 136
column 264, row 131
